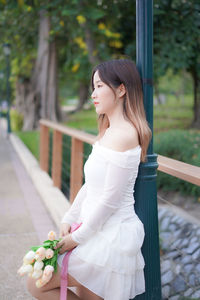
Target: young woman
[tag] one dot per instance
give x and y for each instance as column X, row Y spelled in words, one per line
column 106, row 261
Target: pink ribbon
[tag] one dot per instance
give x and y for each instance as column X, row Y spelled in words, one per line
column 64, row 281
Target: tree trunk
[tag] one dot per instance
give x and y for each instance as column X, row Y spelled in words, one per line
column 94, row 59
column 196, row 106
column 45, row 75
column 53, row 107
column 27, row 104
column 40, row 75
column 83, row 95
column 40, row 94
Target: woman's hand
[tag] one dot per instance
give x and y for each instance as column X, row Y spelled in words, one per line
column 66, row 244
column 64, row 229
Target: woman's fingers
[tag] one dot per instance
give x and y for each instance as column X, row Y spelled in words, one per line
column 62, row 245
column 62, row 250
column 66, row 244
column 59, row 244
column 64, row 229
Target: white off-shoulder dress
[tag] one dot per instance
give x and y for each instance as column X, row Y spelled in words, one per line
column 108, row 260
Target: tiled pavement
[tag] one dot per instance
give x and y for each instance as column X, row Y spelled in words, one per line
column 24, row 220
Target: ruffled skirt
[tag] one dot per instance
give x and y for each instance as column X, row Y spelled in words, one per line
column 110, row 263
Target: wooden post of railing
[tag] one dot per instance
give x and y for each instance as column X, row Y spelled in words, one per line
column 44, row 147
column 57, row 158
column 76, row 177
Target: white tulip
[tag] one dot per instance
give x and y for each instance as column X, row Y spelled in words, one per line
column 25, row 269
column 30, row 256
column 26, row 262
column 40, row 254
column 28, row 268
column 49, row 253
column 48, row 270
column 38, row 265
column 51, row 235
column 37, row 274
column 21, row 271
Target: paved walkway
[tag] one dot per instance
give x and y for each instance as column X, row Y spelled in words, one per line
column 24, row 220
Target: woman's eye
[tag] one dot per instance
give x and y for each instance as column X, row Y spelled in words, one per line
column 99, row 85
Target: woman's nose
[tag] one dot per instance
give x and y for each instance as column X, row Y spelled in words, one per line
column 93, row 96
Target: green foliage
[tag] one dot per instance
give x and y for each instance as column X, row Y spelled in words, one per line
column 16, row 120
column 22, row 66
column 3, row 114
column 173, row 113
column 19, row 28
column 180, row 83
column 31, row 140
column 182, row 145
column 178, row 20
column 85, row 120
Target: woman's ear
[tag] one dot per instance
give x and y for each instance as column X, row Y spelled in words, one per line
column 121, row 90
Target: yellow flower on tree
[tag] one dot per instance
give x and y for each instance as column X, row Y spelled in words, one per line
column 20, row 2
column 108, row 33
column 81, row 19
column 116, row 44
column 29, row 8
column 75, row 67
column 116, row 35
column 62, row 23
column 102, row 26
column 81, row 43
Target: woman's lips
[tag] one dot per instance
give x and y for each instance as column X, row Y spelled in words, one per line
column 95, row 103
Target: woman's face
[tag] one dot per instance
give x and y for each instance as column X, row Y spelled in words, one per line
column 103, row 96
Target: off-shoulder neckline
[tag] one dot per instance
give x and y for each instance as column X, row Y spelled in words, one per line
column 109, row 149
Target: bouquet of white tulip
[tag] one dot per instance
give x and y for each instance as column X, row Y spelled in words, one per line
column 41, row 261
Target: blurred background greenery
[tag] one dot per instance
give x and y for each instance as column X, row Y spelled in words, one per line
column 54, row 46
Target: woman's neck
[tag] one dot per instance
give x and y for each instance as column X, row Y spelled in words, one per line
column 116, row 117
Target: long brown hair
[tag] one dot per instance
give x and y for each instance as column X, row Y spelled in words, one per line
column 113, row 73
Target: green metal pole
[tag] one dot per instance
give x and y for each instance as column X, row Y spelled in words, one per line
column 145, row 187
column 8, row 92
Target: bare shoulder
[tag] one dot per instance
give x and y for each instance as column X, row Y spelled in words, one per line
column 121, row 138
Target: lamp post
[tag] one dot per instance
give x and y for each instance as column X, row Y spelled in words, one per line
column 145, row 187
column 7, row 50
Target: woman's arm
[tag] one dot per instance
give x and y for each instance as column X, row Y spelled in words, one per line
column 72, row 214
column 115, row 183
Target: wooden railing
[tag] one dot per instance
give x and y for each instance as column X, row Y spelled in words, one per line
column 167, row 165
column 179, row 169
column 76, row 167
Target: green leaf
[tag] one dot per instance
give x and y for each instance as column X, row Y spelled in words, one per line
column 35, row 248
column 69, row 12
column 47, row 243
column 94, row 13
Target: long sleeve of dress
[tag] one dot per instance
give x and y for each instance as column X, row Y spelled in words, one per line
column 72, row 214
column 115, row 183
